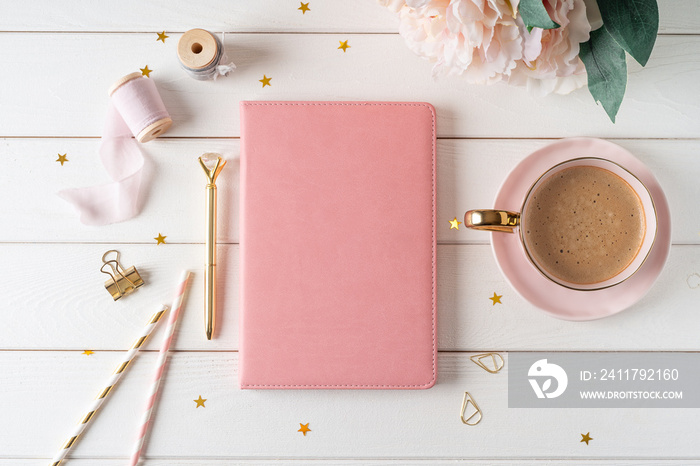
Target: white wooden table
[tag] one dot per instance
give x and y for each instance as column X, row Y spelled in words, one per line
column 58, row 61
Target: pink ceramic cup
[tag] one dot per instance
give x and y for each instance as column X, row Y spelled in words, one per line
column 509, row 222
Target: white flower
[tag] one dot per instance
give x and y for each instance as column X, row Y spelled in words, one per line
column 550, row 57
column 425, row 30
column 475, row 38
column 486, row 41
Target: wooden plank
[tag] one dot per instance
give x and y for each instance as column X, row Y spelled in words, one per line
column 676, row 16
column 310, row 67
column 151, row 461
column 390, row 424
column 215, row 15
column 469, row 175
column 53, row 298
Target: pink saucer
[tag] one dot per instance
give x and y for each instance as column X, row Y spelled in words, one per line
column 530, row 283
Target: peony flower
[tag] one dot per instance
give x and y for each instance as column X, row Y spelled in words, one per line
column 593, row 14
column 550, row 57
column 425, row 29
column 475, row 38
column 486, row 41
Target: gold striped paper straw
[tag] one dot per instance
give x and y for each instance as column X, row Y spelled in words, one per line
column 114, row 378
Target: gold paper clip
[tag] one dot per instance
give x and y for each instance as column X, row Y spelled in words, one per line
column 465, row 402
column 122, row 282
column 496, row 359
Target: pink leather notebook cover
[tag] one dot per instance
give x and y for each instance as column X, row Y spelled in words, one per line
column 338, row 265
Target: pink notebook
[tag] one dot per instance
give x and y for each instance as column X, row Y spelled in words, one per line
column 338, row 284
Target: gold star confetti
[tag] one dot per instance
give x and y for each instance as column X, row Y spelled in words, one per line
column 586, row 438
column 265, row 81
column 496, row 299
column 304, row 428
column 160, row 238
column 87, row 352
column 62, row 158
column 304, row 8
column 145, row 72
column 343, row 45
column 454, row 224
column 200, row 402
column 162, row 36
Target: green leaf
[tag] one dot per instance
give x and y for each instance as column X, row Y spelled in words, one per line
column 535, row 15
column 606, row 65
column 633, row 24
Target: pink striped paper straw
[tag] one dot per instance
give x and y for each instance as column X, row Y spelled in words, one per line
column 160, row 366
column 113, row 379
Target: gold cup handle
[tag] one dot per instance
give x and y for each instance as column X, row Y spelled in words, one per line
column 492, row 220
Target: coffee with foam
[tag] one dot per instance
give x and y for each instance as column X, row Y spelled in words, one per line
column 583, row 225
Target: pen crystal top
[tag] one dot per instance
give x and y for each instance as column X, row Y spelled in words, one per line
column 212, row 163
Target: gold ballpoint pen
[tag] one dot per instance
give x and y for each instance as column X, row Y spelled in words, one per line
column 212, row 164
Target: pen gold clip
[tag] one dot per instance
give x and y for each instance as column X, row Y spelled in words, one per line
column 212, row 164
column 122, row 282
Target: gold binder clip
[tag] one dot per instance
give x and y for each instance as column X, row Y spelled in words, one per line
column 496, row 359
column 122, row 282
column 465, row 403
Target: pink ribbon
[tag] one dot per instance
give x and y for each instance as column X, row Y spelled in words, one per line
column 134, row 106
